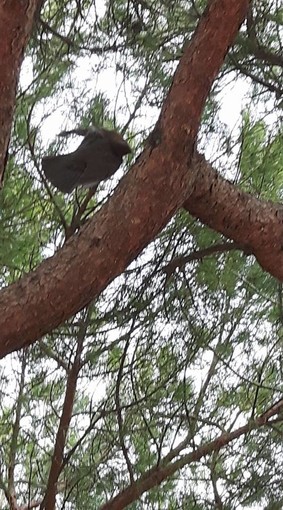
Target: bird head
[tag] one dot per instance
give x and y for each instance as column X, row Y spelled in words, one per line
column 117, row 142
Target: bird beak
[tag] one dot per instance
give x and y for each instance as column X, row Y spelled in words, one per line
column 127, row 148
column 120, row 146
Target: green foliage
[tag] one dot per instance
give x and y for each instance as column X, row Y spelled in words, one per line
column 261, row 160
column 170, row 359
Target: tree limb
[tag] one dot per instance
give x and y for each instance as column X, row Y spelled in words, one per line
column 182, row 260
column 16, row 20
column 158, row 474
column 253, row 223
column 48, row 502
column 142, row 204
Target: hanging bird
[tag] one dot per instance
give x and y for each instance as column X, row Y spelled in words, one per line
column 97, row 158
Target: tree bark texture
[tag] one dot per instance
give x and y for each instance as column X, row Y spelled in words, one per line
column 160, row 182
column 255, row 224
column 16, row 20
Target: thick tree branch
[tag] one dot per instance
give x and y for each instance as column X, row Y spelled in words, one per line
column 253, row 223
column 16, row 20
column 142, row 204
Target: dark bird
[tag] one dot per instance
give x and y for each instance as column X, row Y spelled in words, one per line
column 97, row 158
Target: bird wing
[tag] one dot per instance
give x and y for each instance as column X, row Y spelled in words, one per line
column 64, row 171
column 101, row 162
column 96, row 159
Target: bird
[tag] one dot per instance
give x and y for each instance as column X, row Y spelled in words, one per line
column 96, row 159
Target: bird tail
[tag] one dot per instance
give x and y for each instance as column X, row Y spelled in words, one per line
column 56, row 171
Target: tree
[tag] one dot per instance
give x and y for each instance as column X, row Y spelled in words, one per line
column 171, row 372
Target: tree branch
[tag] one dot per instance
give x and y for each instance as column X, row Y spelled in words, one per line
column 158, row 474
column 15, row 434
column 142, row 204
column 48, row 502
column 16, row 20
column 253, row 223
column 180, row 262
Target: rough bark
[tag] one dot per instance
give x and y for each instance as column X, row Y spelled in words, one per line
column 255, row 224
column 49, row 500
column 142, row 204
column 16, row 20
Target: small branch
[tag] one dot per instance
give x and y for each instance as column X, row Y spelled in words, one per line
column 267, row 57
column 77, row 214
column 214, row 477
column 15, row 435
column 269, row 86
column 258, row 50
column 54, row 32
column 98, row 50
column 158, row 474
column 32, row 504
column 48, row 502
column 180, row 262
column 136, row 108
column 3, row 487
column 51, row 354
column 119, row 411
